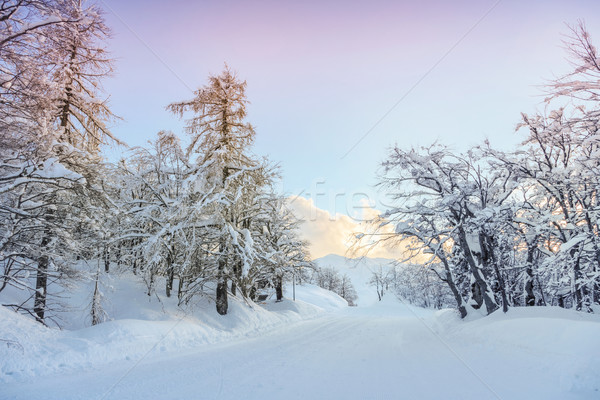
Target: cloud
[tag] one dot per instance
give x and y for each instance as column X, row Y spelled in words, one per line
column 335, row 234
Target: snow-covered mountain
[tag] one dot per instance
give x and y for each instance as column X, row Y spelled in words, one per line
column 360, row 271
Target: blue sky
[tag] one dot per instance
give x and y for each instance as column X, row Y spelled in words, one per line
column 321, row 74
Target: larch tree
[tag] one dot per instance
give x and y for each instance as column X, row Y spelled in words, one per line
column 30, row 174
column 221, row 140
column 80, row 62
column 50, row 164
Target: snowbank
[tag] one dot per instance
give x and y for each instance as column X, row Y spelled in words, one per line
column 551, row 341
column 141, row 326
column 537, row 352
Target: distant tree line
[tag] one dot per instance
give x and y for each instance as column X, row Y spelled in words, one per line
column 331, row 279
column 413, row 284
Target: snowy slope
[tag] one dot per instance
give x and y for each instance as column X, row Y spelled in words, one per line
column 359, row 270
column 141, row 325
column 316, row 347
column 541, row 352
column 386, row 351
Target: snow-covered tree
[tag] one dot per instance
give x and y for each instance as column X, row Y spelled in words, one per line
column 557, row 166
column 347, row 291
column 155, row 208
column 381, row 279
column 445, row 204
column 516, row 228
column 48, row 179
column 583, row 82
column 79, row 62
column 420, row 285
column 281, row 252
column 329, row 278
column 220, row 141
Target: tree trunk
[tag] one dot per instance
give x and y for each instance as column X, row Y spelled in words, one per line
column 170, row 277
column 96, row 311
column 65, row 112
column 118, row 255
column 237, row 278
column 151, row 285
column 529, row 295
column 502, row 288
column 578, row 297
column 41, row 286
column 180, row 288
column 41, row 281
column 221, row 294
column 222, row 304
column 450, row 281
column 279, row 287
column 490, row 303
column 233, row 288
column 6, row 274
column 106, row 259
column 171, row 258
column 476, row 296
column 489, row 258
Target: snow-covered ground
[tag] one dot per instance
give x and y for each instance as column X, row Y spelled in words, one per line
column 140, row 326
column 313, row 348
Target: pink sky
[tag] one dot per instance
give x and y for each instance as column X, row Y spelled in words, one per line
column 321, row 74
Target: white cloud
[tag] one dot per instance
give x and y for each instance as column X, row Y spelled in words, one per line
column 335, row 234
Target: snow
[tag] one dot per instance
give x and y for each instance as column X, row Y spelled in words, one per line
column 141, row 325
column 316, row 347
column 572, row 243
column 360, row 271
column 52, row 168
column 473, row 242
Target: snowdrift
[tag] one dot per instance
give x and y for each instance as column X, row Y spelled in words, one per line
column 140, row 326
column 549, row 342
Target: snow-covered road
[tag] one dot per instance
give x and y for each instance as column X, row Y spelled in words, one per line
column 353, row 354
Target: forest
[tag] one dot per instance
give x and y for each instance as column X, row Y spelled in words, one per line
column 486, row 229
column 205, row 216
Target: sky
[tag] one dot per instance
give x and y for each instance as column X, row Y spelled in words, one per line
column 333, row 84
